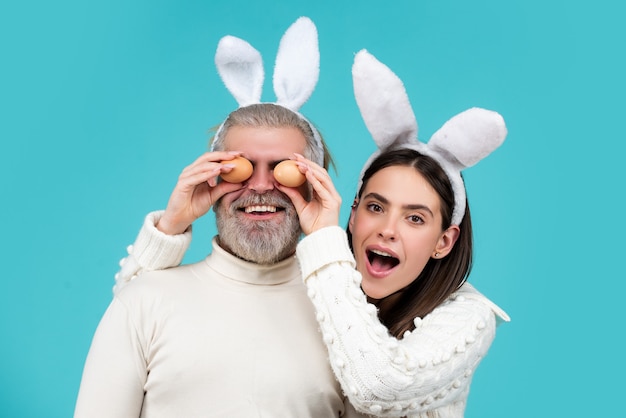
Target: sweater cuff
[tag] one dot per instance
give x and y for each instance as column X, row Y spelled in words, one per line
column 322, row 247
column 155, row 250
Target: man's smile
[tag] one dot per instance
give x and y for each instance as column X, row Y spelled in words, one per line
column 261, row 209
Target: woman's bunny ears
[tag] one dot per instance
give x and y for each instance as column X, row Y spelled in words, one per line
column 296, row 70
column 460, row 143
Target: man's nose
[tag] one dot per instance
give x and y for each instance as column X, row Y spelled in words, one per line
column 262, row 180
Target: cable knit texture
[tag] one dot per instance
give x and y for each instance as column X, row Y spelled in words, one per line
column 425, row 374
column 152, row 250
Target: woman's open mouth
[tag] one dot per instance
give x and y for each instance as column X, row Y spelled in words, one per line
column 380, row 262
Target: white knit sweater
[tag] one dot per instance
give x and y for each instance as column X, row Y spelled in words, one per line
column 152, row 250
column 425, row 374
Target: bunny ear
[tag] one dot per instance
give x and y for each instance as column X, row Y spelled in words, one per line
column 383, row 102
column 241, row 69
column 297, row 64
column 470, row 136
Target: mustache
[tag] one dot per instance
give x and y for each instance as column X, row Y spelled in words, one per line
column 273, row 198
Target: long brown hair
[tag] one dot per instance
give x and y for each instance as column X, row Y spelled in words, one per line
column 440, row 277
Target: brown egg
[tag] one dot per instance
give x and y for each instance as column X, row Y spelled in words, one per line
column 241, row 172
column 287, row 173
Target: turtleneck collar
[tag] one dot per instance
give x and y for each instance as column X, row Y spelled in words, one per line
column 251, row 273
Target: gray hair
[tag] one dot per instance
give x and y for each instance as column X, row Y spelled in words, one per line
column 270, row 115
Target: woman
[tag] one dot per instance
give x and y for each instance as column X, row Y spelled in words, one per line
column 404, row 331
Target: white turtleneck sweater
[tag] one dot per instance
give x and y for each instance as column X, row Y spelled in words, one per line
column 219, row 338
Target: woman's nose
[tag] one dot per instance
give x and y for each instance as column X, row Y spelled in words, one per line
column 388, row 230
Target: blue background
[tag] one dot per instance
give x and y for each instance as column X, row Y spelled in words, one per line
column 102, row 103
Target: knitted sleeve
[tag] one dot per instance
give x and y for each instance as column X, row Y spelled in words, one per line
column 152, row 250
column 430, row 368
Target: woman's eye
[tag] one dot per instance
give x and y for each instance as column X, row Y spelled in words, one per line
column 373, row 207
column 416, row 219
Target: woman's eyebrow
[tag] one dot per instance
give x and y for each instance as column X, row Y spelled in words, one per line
column 384, row 200
column 419, row 207
column 376, row 196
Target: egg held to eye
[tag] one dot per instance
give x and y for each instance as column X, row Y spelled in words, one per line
column 241, row 171
column 288, row 174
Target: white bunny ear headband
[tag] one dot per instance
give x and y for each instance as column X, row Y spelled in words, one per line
column 296, row 72
column 460, row 143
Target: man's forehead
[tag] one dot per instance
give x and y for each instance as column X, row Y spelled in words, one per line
column 265, row 141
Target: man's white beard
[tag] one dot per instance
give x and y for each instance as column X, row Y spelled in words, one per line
column 263, row 241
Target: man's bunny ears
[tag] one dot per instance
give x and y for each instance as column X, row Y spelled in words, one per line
column 460, row 143
column 296, row 71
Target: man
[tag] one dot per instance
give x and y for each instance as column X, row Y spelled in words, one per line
column 235, row 334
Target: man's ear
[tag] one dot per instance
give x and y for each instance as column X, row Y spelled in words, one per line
column 352, row 214
column 446, row 241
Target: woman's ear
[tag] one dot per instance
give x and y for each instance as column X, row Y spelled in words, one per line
column 446, row 241
column 352, row 214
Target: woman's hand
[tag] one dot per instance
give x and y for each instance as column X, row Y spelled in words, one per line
column 323, row 208
column 196, row 191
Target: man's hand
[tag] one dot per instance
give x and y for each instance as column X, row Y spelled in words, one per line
column 323, row 208
column 196, row 191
